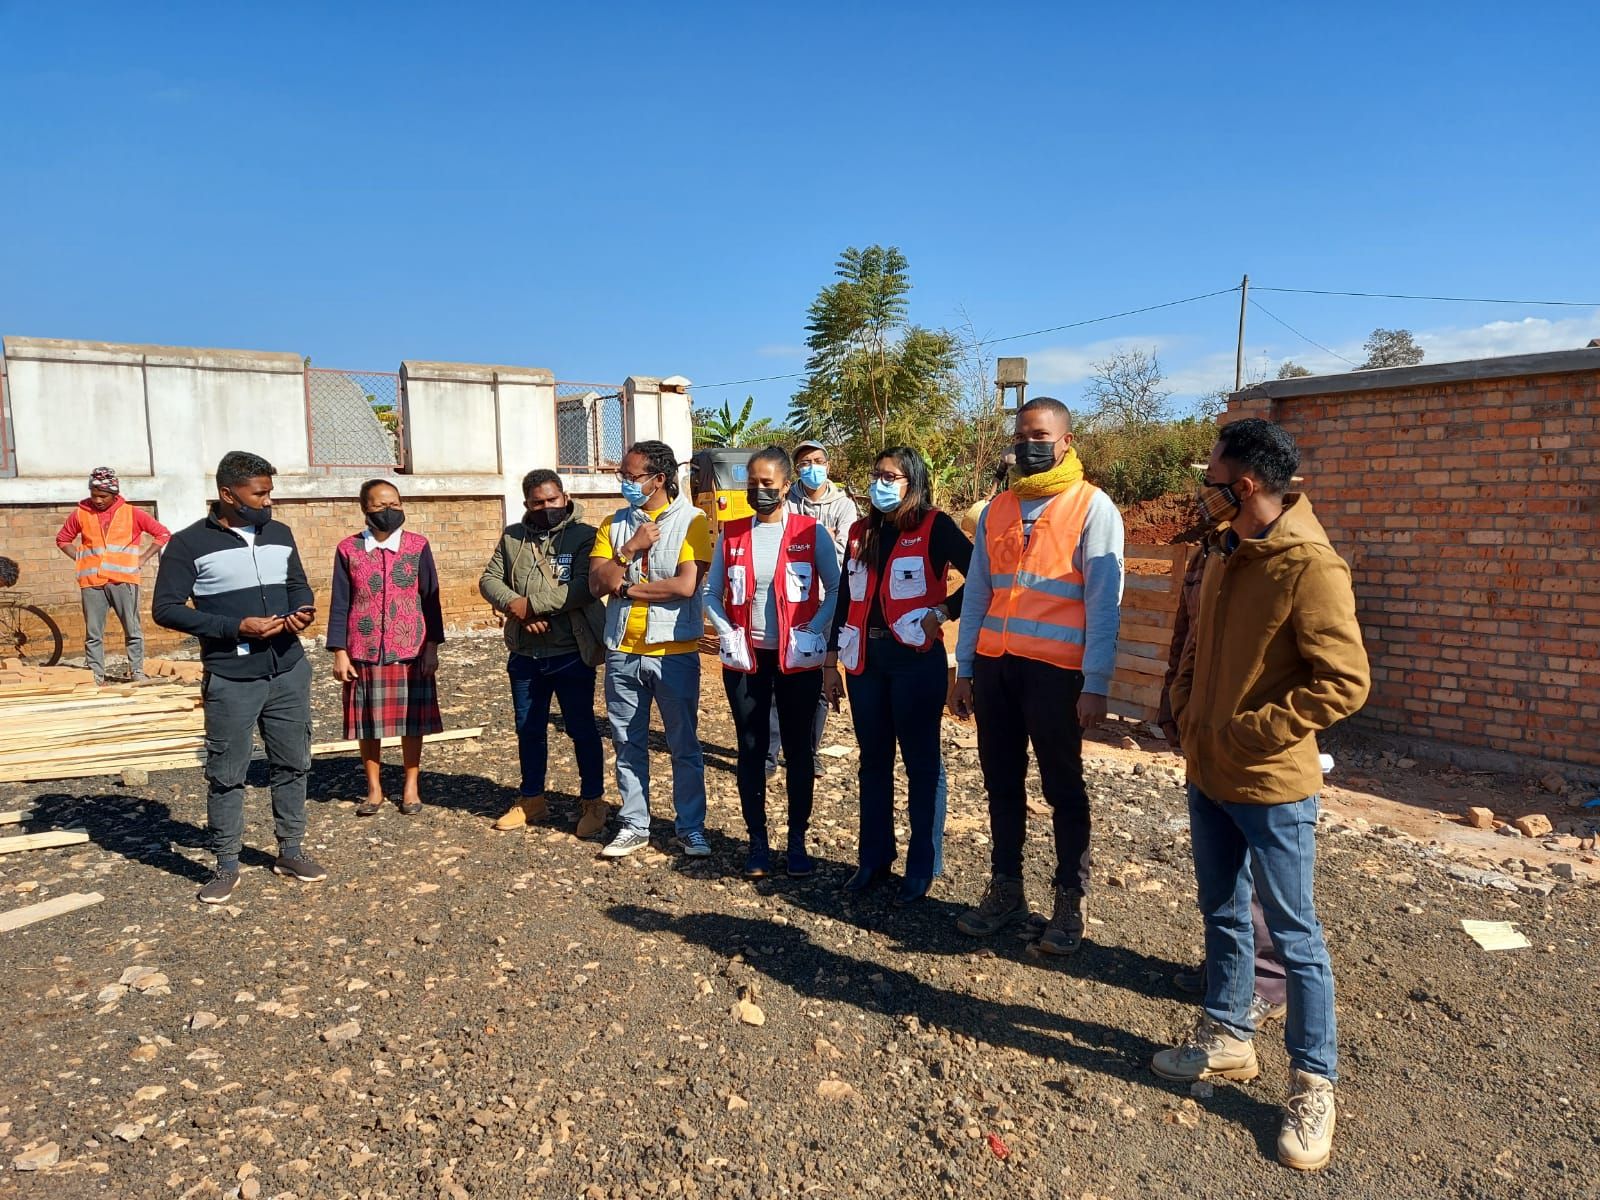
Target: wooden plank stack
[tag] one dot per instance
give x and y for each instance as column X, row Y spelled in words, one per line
column 56, row 726
column 15, row 671
column 185, row 671
column 1149, row 605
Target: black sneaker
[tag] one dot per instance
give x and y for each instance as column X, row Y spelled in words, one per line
column 306, row 870
column 219, row 889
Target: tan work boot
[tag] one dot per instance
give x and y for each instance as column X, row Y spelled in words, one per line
column 1306, row 1140
column 1064, row 934
column 526, row 810
column 592, row 818
column 1003, row 903
column 1209, row 1052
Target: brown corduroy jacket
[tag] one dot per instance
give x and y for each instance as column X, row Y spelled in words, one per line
column 1275, row 657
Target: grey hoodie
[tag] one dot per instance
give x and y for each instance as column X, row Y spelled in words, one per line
column 833, row 510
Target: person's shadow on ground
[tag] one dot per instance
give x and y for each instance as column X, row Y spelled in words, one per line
column 139, row 829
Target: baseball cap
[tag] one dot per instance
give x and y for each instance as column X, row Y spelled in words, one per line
column 804, row 447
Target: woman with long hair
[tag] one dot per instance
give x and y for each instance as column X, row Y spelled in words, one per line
column 770, row 594
column 887, row 634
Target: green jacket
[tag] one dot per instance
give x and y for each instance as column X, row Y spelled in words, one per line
column 552, row 570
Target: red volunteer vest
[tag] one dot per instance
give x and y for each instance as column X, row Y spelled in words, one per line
column 794, row 582
column 913, row 584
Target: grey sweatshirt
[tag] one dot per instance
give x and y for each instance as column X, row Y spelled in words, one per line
column 1098, row 557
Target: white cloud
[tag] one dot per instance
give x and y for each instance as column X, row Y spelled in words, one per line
column 1191, row 375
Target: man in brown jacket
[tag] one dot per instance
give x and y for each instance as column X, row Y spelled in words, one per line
column 1276, row 657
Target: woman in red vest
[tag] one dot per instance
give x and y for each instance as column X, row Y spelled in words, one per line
column 385, row 626
column 770, row 595
column 888, row 636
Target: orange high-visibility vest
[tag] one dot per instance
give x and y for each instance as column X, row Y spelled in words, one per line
column 1036, row 608
column 109, row 555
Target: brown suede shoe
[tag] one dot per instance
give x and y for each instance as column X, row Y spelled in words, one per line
column 1064, row 934
column 526, row 810
column 594, row 814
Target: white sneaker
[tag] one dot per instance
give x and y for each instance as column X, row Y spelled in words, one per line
column 625, row 843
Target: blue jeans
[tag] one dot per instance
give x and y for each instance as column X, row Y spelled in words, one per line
column 898, row 700
column 673, row 682
column 1274, row 844
column 533, row 682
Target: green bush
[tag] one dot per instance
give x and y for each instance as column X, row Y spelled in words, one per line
column 1142, row 462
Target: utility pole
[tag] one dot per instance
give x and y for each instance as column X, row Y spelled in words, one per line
column 1238, row 358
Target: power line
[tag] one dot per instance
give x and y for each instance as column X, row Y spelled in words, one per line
column 1298, row 334
column 1451, row 299
column 1010, row 337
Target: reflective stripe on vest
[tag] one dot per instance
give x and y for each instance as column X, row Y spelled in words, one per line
column 1036, row 608
column 799, row 545
column 110, row 554
column 911, row 547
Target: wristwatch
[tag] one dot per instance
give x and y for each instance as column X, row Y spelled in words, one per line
column 622, row 592
column 940, row 613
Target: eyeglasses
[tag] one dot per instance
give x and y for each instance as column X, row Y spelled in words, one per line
column 886, row 477
column 626, row 478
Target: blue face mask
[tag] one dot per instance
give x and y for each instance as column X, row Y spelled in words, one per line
column 633, row 493
column 885, row 496
column 814, row 475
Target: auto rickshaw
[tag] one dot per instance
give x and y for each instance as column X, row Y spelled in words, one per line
column 717, row 479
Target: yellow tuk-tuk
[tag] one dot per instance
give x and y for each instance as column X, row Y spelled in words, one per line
column 717, row 479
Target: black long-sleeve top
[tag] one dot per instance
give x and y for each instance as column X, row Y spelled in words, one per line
column 947, row 547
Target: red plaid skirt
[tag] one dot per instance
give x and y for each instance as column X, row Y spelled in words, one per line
column 391, row 700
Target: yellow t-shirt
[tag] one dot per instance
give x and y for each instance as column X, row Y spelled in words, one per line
column 696, row 548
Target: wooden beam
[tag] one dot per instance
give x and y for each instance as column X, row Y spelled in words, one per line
column 28, row 914
column 43, row 841
column 449, row 735
column 16, row 816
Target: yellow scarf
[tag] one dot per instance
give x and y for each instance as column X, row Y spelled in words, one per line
column 1047, row 483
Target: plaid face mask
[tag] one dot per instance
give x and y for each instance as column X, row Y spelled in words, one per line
column 1216, row 503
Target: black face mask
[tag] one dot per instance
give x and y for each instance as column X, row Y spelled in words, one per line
column 243, row 514
column 1034, row 458
column 764, row 500
column 545, row 519
column 386, row 520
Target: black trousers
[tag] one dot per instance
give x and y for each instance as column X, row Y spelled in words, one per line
column 1019, row 701
column 752, row 698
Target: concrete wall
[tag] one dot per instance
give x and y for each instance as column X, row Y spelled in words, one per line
column 1466, row 497
column 163, row 416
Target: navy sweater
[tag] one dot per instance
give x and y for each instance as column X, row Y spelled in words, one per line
column 228, row 579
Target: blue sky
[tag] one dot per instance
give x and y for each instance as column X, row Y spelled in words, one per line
column 658, row 189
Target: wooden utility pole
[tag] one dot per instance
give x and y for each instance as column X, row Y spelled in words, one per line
column 1238, row 358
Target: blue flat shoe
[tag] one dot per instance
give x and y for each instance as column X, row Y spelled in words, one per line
column 864, row 880
column 912, row 889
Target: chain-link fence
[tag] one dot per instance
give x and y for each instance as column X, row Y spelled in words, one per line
column 590, row 431
column 353, row 420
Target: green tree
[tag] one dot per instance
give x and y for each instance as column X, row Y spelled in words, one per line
column 1292, row 370
column 873, row 379
column 714, row 427
column 1391, row 348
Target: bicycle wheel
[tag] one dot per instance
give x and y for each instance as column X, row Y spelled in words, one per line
column 28, row 633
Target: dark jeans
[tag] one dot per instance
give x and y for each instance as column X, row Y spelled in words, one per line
column 280, row 707
column 1018, row 701
column 752, row 696
column 1273, row 846
column 898, row 699
column 533, row 682
column 819, row 724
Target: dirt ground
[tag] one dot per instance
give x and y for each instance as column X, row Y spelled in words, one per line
column 460, row 1013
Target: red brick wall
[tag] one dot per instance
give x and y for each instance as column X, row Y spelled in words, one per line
column 28, row 535
column 461, row 530
column 1470, row 515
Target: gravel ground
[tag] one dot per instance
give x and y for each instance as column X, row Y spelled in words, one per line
column 459, row 1013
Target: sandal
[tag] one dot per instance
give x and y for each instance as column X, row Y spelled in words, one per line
column 410, row 808
column 369, row 808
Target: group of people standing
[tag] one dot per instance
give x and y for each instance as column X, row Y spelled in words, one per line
column 1268, row 654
